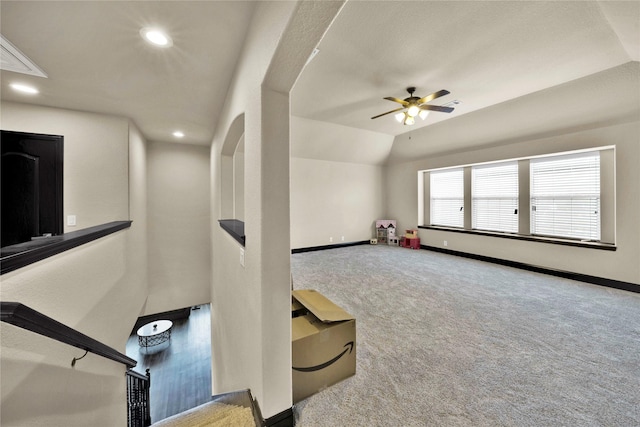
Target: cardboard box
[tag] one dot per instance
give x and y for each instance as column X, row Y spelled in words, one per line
column 323, row 343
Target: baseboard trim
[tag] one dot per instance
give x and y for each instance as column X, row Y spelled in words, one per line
column 334, row 246
column 283, row 419
column 594, row 280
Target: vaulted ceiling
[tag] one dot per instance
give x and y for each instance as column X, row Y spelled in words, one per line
column 484, row 52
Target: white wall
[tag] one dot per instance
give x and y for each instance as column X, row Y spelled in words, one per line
column 179, row 226
column 95, row 146
column 251, row 319
column 330, row 200
column 311, row 139
column 621, row 264
column 98, row 288
column 337, row 182
column 238, row 341
column 557, row 119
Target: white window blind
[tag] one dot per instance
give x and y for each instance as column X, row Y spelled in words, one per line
column 447, row 197
column 565, row 196
column 494, row 197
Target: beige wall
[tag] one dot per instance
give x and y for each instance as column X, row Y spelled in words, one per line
column 311, row 139
column 98, row 288
column 242, row 332
column 251, row 319
column 330, row 200
column 179, row 226
column 557, row 119
column 620, row 265
column 95, row 146
column 337, row 182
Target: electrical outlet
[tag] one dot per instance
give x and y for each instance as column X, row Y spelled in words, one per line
column 242, row 257
column 343, row 238
column 71, row 220
column 445, row 243
column 330, row 239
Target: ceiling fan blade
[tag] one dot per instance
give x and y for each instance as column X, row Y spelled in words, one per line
column 436, row 108
column 433, row 96
column 388, row 112
column 399, row 101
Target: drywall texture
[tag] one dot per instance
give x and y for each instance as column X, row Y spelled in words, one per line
column 239, row 340
column 621, row 264
column 311, row 139
column 98, row 288
column 332, row 200
column 557, row 119
column 251, row 325
column 179, row 226
column 557, row 110
column 95, row 147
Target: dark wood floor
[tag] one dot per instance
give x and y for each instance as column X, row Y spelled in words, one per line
column 180, row 368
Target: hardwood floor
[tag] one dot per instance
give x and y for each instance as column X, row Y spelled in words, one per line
column 180, row 368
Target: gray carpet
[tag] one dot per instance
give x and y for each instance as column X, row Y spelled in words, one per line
column 447, row 341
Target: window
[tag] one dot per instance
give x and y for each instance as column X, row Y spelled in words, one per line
column 447, row 197
column 494, row 203
column 565, row 196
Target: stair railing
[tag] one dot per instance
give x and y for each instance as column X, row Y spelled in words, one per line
column 27, row 318
column 138, row 409
column 138, row 385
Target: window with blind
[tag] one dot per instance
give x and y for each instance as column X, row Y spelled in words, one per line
column 565, row 196
column 447, row 197
column 494, row 197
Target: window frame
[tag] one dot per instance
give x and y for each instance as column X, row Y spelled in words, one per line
column 454, row 215
column 607, row 200
column 555, row 193
column 497, row 192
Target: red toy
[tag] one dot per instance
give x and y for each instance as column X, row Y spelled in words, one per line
column 413, row 243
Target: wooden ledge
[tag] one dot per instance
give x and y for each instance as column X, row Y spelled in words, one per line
column 235, row 228
column 22, row 254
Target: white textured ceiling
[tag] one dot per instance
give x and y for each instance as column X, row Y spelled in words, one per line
column 484, row 52
column 96, row 60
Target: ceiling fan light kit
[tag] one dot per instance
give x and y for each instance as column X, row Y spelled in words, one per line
column 415, row 107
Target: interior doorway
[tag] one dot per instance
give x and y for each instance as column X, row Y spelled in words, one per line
column 32, row 171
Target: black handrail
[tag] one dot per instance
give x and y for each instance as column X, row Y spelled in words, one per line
column 27, row 318
column 23, row 254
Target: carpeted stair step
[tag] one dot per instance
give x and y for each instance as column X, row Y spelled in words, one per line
column 235, row 409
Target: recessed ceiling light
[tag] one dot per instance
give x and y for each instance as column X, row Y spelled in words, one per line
column 178, row 134
column 156, row 37
column 24, row 88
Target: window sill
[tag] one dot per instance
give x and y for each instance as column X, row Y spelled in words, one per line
column 235, row 228
column 552, row 240
column 23, row 254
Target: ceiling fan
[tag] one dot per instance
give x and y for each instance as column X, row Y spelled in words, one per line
column 416, row 106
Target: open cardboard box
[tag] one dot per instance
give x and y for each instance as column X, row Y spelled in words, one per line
column 323, row 343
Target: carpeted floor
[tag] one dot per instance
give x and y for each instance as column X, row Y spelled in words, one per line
column 447, row 341
column 211, row 414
